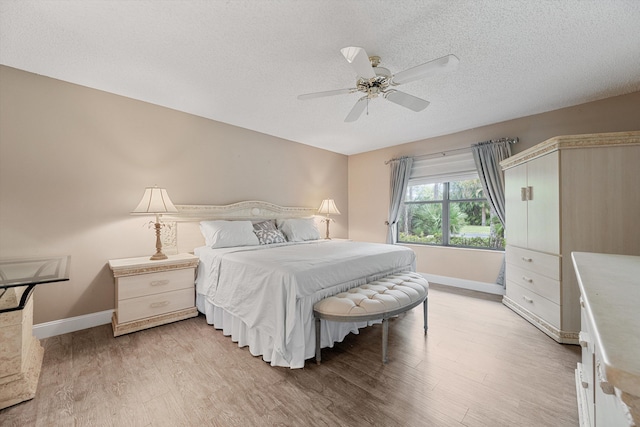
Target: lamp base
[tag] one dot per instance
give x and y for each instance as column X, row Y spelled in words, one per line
column 327, row 220
column 158, row 256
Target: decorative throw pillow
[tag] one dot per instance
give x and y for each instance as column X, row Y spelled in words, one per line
column 299, row 229
column 265, row 225
column 268, row 237
column 267, row 233
column 224, row 234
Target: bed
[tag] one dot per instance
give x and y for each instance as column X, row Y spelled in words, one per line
column 261, row 292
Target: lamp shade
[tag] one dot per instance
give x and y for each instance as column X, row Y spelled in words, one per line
column 328, row 207
column 155, row 201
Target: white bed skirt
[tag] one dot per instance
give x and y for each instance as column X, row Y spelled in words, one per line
column 261, row 344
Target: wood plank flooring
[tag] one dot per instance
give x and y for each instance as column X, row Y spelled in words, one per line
column 479, row 365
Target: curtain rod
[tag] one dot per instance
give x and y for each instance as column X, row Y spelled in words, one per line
column 454, row 150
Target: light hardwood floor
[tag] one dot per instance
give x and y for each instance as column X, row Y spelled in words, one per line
column 479, row 365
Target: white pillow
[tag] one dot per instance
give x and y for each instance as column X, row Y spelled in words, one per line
column 299, row 229
column 224, row 234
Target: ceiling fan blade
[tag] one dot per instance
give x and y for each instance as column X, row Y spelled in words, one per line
column 357, row 110
column 326, row 93
column 418, row 72
column 359, row 60
column 405, row 100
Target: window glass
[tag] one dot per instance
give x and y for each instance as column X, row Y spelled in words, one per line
column 449, row 214
column 467, row 189
column 473, row 224
column 421, row 223
column 424, row 192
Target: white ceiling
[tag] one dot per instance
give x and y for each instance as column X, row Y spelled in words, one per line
column 244, row 62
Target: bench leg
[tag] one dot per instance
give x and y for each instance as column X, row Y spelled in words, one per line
column 425, row 309
column 318, row 340
column 385, row 338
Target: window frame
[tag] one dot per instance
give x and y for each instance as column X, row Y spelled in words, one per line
column 445, row 202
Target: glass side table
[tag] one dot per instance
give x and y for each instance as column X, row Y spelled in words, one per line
column 20, row 351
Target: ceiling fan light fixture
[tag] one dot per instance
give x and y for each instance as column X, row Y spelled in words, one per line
column 374, row 81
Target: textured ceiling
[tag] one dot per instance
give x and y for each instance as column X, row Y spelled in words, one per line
column 244, row 62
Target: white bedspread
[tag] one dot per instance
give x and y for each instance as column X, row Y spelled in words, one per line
column 272, row 288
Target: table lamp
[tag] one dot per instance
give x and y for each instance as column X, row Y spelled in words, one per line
column 155, row 201
column 328, row 207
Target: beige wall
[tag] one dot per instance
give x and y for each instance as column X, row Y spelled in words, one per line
column 75, row 161
column 369, row 176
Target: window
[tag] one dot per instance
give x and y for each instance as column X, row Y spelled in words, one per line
column 453, row 213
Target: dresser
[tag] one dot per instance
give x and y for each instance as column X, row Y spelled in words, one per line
column 152, row 293
column 608, row 377
column 569, row 193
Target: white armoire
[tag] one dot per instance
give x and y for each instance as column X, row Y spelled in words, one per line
column 569, row 193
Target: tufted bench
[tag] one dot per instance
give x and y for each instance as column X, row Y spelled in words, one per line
column 380, row 299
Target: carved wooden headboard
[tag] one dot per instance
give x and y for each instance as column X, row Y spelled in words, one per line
column 181, row 232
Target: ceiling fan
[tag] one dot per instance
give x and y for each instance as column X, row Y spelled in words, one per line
column 375, row 81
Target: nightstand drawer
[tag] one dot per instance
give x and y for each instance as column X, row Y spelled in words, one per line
column 139, row 308
column 534, row 303
column 154, row 283
column 541, row 285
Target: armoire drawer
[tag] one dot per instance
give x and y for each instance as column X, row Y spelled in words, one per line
column 544, row 264
column 536, row 304
column 537, row 283
column 153, row 283
column 152, row 305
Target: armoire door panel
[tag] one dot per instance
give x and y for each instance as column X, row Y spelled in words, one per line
column 543, row 218
column 516, row 208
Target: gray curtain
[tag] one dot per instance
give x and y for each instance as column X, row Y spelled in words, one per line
column 400, row 172
column 487, row 156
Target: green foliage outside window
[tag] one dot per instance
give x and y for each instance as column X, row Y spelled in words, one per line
column 449, row 214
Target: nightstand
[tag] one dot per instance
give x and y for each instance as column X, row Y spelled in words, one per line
column 152, row 293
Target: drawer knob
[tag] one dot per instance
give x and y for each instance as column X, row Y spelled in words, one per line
column 527, row 299
column 525, row 259
column 584, row 383
column 527, row 279
column 159, row 304
column 606, row 387
column 159, row 282
column 583, row 339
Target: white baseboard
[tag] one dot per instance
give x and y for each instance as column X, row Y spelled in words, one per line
column 489, row 288
column 71, row 324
